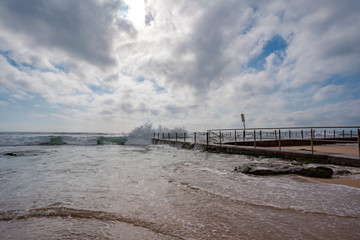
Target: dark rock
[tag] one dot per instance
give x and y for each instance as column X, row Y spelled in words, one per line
column 10, row 154
column 317, row 172
column 343, row 172
column 265, row 169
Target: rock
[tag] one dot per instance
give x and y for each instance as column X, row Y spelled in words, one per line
column 265, row 169
column 10, row 154
column 343, row 172
column 317, row 172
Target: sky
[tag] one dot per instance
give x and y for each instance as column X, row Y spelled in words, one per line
column 112, row 65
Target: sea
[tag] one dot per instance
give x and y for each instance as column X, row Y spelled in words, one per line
column 96, row 186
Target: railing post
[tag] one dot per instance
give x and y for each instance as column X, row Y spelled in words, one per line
column 343, row 133
column 194, row 137
column 279, row 139
column 235, row 138
column 244, row 136
column 302, row 134
column 220, row 137
column 260, row 136
column 325, row 133
column 254, row 138
column 275, row 135
column 169, row 136
column 176, row 136
column 312, row 141
column 350, row 133
column 184, row 136
column 334, row 133
column 289, row 134
column 358, row 141
column 207, row 139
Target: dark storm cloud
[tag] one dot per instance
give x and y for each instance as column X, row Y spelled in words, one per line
column 82, row 28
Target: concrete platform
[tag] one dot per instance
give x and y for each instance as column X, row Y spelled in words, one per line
column 287, row 154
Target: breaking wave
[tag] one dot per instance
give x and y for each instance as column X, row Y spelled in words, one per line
column 54, row 139
column 63, row 212
column 140, row 135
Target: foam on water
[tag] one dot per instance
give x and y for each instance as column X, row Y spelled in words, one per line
column 82, row 184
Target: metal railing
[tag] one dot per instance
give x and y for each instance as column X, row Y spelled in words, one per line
column 270, row 137
column 280, row 136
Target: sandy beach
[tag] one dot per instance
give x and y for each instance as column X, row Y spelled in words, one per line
column 344, row 149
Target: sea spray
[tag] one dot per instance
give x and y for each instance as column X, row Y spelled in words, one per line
column 142, row 135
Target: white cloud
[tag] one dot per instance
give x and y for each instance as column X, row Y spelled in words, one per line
column 329, row 91
column 84, row 58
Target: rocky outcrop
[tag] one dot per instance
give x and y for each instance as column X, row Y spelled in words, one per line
column 265, row 169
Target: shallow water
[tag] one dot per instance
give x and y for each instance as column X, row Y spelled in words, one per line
column 161, row 192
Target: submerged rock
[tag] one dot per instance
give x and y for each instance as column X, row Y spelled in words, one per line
column 265, row 169
column 10, row 154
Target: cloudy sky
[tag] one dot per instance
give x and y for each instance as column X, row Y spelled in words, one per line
column 112, row 65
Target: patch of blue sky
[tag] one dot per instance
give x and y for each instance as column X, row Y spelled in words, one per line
column 140, row 79
column 275, row 45
column 61, row 68
column 158, row 88
column 101, row 89
column 22, row 66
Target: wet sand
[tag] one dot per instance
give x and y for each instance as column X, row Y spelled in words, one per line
column 344, row 149
column 343, row 181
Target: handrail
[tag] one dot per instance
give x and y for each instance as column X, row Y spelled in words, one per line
column 275, row 128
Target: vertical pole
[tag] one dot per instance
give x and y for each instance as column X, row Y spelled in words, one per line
column 220, row 138
column 169, row 136
column 184, row 136
column 302, row 134
column 275, row 135
column 325, row 133
column 176, row 136
column 244, row 136
column 334, row 134
column 254, row 138
column 207, row 138
column 194, row 137
column 235, row 137
column 159, row 135
column 289, row 134
column 163, row 135
column 260, row 136
column 279, row 139
column 312, row 141
column 351, row 133
column 343, row 133
column 359, row 141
